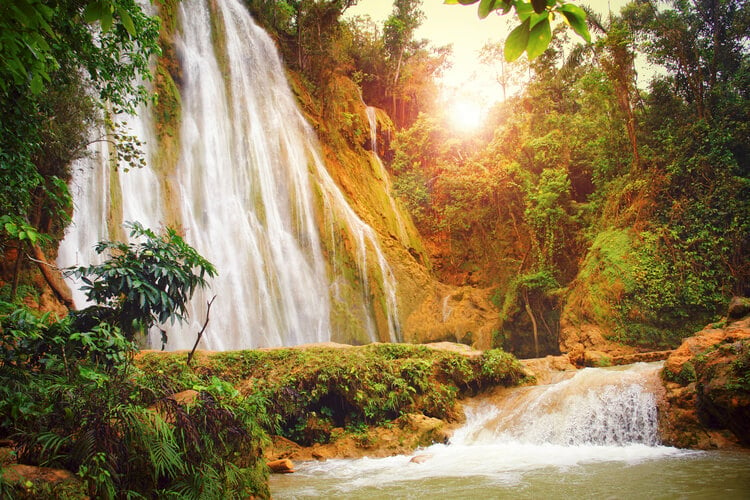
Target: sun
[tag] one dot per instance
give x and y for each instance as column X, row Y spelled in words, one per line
column 465, row 115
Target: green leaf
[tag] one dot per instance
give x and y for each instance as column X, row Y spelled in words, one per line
column 576, row 17
column 107, row 20
column 539, row 39
column 539, row 5
column 93, row 12
column 36, row 84
column 127, row 21
column 486, row 7
column 535, row 19
column 516, row 42
column 524, row 10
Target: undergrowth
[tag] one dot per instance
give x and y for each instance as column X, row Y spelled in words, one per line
column 311, row 394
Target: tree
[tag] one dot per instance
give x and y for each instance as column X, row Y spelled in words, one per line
column 506, row 74
column 398, row 33
column 145, row 282
column 59, row 60
column 398, row 36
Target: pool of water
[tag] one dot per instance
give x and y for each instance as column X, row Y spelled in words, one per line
column 534, row 472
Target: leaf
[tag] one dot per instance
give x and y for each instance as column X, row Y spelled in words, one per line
column 524, row 10
column 486, row 7
column 576, row 17
column 127, row 21
column 107, row 20
column 539, row 39
column 93, row 12
column 535, row 19
column 36, row 84
column 516, row 42
column 539, row 5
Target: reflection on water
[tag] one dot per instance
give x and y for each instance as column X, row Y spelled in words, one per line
column 592, row 436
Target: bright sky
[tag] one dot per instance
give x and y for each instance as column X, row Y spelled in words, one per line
column 459, row 25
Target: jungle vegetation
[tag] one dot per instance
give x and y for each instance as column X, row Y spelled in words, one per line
column 585, row 198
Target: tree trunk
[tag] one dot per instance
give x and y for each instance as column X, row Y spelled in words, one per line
column 53, row 277
column 527, row 306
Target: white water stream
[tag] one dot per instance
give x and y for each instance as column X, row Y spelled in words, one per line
column 592, row 436
column 245, row 183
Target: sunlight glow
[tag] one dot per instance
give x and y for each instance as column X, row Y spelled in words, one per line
column 465, row 115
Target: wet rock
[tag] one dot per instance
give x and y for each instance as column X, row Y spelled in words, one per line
column 420, row 459
column 723, row 388
column 465, row 315
column 739, row 307
column 707, row 383
column 548, row 370
column 407, row 433
column 586, row 344
column 59, row 481
column 283, row 466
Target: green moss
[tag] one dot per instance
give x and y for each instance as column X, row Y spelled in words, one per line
column 219, row 41
column 310, row 392
column 168, row 14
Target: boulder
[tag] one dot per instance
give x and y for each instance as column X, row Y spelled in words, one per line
column 550, row 369
column 283, row 466
column 707, row 382
column 61, row 483
column 586, row 344
column 723, row 389
column 739, row 307
column 454, row 314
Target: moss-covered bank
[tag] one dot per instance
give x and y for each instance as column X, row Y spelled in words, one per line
column 318, row 393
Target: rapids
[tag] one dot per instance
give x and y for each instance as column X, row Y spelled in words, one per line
column 593, row 435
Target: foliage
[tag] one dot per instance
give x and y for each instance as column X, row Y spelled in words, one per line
column 145, row 282
column 534, row 33
column 329, row 388
column 73, row 399
column 56, row 60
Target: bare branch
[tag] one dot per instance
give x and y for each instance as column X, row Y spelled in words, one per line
column 200, row 333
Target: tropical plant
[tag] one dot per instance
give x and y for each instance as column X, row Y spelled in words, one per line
column 148, row 281
column 534, row 33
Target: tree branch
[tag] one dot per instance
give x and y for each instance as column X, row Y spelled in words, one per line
column 200, row 333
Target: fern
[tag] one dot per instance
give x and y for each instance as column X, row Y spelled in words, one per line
column 51, row 445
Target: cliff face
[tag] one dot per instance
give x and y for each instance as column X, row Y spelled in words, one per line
column 707, row 381
column 429, row 310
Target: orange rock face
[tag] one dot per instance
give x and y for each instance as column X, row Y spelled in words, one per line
column 707, row 381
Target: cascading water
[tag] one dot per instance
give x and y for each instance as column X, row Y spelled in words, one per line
column 250, row 185
column 587, row 436
column 595, row 407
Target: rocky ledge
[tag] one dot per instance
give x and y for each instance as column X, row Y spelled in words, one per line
column 707, row 382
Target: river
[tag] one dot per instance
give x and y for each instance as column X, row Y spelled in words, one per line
column 593, row 435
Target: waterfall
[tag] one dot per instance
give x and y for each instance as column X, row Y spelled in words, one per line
column 250, row 191
column 594, row 432
column 599, row 407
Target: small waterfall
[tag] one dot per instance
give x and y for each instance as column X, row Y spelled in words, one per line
column 594, row 432
column 600, row 407
column 251, row 193
column 447, row 309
